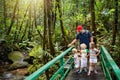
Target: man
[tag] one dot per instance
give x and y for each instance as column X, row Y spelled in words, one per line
column 84, row 36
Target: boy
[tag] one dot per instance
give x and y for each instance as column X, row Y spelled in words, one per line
column 83, row 52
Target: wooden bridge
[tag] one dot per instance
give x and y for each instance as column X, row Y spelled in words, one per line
column 107, row 68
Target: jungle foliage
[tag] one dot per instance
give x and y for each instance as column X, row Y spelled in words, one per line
column 44, row 28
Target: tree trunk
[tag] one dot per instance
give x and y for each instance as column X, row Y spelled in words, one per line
column 45, row 42
column 30, row 23
column 25, row 31
column 92, row 10
column 115, row 23
column 54, row 17
column 17, row 26
column 13, row 17
column 21, row 24
column 77, row 22
column 5, row 13
column 35, row 22
column 61, row 22
column 50, row 25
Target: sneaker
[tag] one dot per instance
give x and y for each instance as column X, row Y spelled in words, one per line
column 85, row 69
column 80, row 71
column 77, row 71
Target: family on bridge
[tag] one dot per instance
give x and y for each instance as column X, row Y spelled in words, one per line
column 86, row 53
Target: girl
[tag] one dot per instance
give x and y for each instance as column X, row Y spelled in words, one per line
column 76, row 60
column 93, row 53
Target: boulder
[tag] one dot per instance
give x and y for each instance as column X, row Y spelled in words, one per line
column 17, row 58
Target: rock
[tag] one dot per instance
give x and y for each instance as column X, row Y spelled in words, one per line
column 7, row 75
column 18, row 64
column 17, row 58
column 22, row 71
column 10, row 76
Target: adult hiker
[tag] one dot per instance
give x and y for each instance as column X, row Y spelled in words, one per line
column 84, row 36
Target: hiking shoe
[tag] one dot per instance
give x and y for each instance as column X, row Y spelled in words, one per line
column 85, row 69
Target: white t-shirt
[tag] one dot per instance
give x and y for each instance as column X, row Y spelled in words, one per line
column 83, row 54
column 83, row 58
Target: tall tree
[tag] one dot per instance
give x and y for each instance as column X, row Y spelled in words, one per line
column 13, row 17
column 50, row 25
column 22, row 22
column 76, row 11
column 115, row 23
column 35, row 20
column 30, row 23
column 5, row 13
column 92, row 10
column 45, row 40
column 61, row 21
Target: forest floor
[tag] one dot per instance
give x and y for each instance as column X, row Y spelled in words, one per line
column 18, row 73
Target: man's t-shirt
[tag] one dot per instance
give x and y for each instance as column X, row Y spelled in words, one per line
column 84, row 37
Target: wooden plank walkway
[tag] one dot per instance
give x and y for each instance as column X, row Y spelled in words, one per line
column 83, row 76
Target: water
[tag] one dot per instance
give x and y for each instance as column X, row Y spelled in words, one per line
column 11, row 76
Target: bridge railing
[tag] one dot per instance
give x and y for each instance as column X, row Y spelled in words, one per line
column 110, row 68
column 60, row 71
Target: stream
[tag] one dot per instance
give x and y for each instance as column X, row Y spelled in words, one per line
column 17, row 74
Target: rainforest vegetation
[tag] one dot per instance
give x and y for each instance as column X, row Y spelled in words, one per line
column 33, row 32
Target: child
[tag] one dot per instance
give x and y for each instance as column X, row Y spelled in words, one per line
column 76, row 60
column 83, row 52
column 93, row 53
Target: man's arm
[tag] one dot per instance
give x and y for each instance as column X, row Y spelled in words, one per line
column 74, row 41
column 91, row 39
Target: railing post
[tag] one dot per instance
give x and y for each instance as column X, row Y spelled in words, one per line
column 62, row 70
column 110, row 68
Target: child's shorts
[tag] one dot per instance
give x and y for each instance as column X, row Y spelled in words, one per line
column 93, row 60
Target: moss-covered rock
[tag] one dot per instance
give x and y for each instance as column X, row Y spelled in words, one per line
column 17, row 58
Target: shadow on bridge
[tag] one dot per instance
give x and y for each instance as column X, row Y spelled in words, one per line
column 83, row 76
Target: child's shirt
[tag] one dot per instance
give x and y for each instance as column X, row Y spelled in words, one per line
column 93, row 53
column 84, row 53
column 76, row 58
